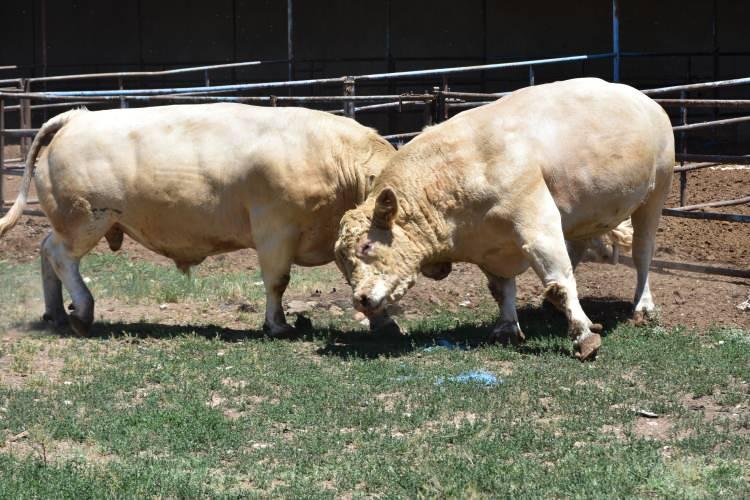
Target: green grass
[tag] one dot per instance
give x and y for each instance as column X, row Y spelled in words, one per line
column 184, row 412
column 129, row 281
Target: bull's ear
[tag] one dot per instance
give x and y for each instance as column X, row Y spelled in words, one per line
column 386, row 208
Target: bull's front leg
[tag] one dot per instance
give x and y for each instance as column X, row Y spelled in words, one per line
column 506, row 330
column 275, row 257
column 542, row 241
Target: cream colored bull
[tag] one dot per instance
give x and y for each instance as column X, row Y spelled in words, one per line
column 192, row 181
column 504, row 185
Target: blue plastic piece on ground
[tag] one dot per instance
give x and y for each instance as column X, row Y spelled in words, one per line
column 478, row 376
column 445, row 343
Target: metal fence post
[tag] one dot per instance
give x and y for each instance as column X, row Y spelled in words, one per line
column 123, row 101
column 531, row 76
column 437, row 104
column 428, row 111
column 615, row 42
column 24, row 116
column 445, row 105
column 349, row 90
column 683, row 143
column 2, row 151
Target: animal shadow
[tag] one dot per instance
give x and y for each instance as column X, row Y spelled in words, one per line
column 537, row 322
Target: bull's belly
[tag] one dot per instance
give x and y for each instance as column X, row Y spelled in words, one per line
column 188, row 242
column 597, row 213
column 492, row 247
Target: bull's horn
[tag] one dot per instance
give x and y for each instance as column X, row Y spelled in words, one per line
column 386, row 208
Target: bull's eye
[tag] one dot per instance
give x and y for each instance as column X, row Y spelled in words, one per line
column 366, row 248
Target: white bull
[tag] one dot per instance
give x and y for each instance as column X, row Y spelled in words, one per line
column 192, row 181
column 504, row 185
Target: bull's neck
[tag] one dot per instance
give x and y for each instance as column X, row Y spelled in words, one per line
column 427, row 206
column 357, row 171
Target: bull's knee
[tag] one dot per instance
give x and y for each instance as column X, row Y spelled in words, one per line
column 556, row 295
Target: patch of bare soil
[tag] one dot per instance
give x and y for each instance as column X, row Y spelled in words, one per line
column 26, row 444
column 690, row 299
column 658, row 429
column 18, row 368
column 708, row 242
column 718, row 414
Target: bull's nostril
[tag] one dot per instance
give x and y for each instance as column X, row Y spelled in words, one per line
column 364, row 300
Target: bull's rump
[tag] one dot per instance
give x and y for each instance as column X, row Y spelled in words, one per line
column 600, row 148
column 185, row 181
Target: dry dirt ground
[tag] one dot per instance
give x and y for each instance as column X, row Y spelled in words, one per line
column 684, row 298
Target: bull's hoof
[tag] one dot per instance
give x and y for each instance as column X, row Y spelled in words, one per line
column 508, row 333
column 644, row 318
column 587, row 348
column 56, row 320
column 80, row 327
column 284, row 330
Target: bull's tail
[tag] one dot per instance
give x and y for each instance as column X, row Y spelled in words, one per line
column 42, row 138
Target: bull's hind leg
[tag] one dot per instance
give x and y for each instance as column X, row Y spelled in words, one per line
column 506, row 330
column 645, row 223
column 542, row 241
column 54, row 310
column 576, row 251
column 64, row 264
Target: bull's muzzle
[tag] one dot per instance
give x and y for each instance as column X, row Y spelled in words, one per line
column 367, row 304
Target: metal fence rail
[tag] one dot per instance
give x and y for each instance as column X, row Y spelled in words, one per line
column 437, row 105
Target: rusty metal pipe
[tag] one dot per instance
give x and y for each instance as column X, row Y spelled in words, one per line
column 697, row 166
column 713, row 123
column 181, row 98
column 141, row 74
column 723, row 159
column 693, row 268
column 698, row 86
column 675, row 212
column 724, row 203
column 705, row 103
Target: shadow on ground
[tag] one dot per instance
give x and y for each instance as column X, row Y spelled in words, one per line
column 537, row 322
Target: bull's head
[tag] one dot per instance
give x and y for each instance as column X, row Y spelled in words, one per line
column 375, row 254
